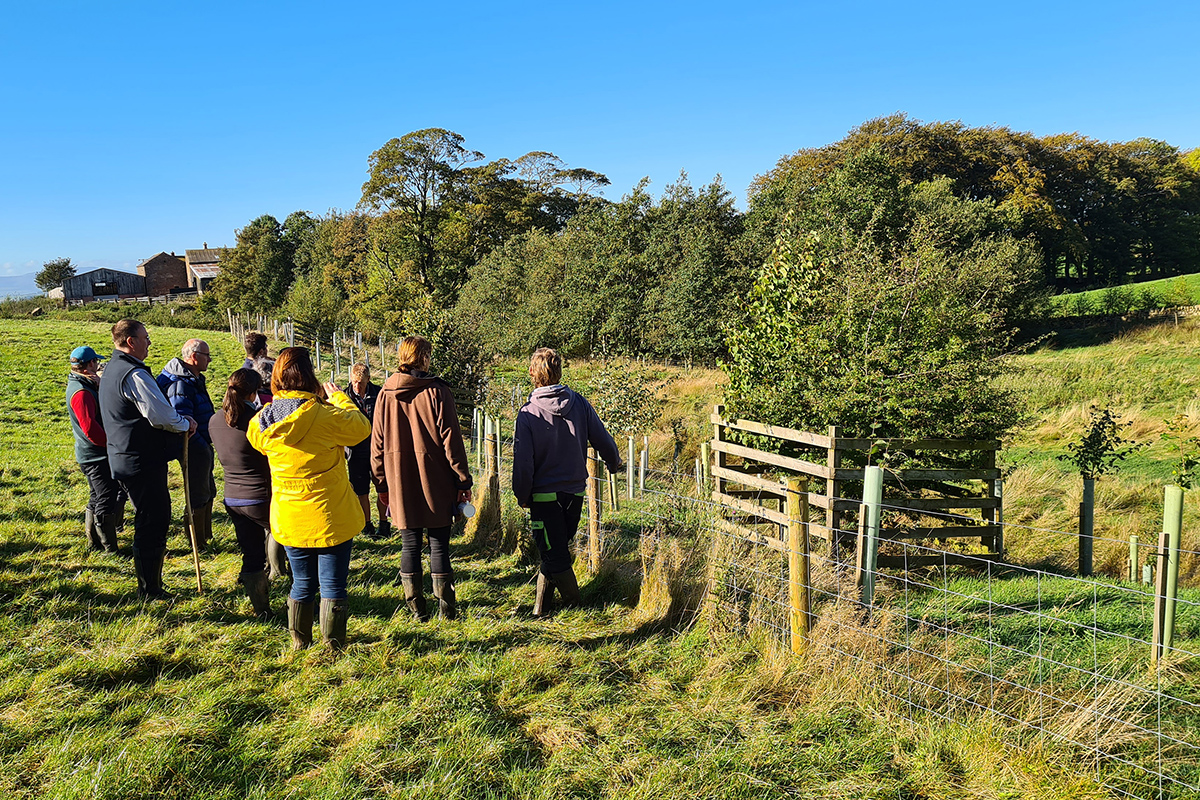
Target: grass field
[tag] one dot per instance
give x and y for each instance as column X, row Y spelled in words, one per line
column 103, row 697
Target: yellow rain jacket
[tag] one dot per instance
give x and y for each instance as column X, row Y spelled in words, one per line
column 302, row 436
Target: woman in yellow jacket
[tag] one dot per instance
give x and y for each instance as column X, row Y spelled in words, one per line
column 314, row 511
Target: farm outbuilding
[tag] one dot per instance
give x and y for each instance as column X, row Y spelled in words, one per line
column 103, row 284
column 165, row 273
column 202, row 266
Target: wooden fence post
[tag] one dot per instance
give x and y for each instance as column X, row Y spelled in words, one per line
column 593, row 501
column 317, row 355
column 799, row 595
column 873, row 499
column 1085, row 526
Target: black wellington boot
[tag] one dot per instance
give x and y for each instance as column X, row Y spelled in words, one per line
column 568, row 587
column 258, row 589
column 148, row 566
column 334, row 614
column 543, row 604
column 443, row 590
column 108, row 532
column 92, row 530
column 300, row 623
column 414, row 595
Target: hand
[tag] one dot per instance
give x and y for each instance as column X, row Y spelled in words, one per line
column 191, row 425
column 464, row 496
column 330, row 387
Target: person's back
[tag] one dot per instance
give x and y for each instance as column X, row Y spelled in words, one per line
column 557, row 424
column 550, row 444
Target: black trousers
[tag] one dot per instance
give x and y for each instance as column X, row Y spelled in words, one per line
column 104, row 493
column 151, row 500
column 252, row 526
column 554, row 525
column 439, row 551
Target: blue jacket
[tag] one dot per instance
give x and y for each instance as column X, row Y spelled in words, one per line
column 188, row 394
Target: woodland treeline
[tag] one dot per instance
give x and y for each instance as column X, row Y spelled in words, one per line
column 513, row 254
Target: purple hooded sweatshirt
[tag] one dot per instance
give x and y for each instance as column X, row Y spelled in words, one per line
column 553, row 432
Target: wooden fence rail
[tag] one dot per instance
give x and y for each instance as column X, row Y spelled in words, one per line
column 750, row 483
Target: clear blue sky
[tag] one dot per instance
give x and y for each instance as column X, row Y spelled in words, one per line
column 130, row 128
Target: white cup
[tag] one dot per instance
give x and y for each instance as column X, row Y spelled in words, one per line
column 465, row 509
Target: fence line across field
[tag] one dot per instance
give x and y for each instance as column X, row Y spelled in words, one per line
column 943, row 632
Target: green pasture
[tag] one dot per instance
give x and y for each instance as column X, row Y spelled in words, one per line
column 103, row 697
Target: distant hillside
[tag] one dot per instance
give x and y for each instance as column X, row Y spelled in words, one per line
column 18, row 285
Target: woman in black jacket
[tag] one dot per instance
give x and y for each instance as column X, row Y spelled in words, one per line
column 247, row 487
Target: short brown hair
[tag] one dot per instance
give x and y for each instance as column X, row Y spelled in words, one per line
column 125, row 330
column 255, row 343
column 545, row 367
column 294, row 372
column 360, row 372
column 414, row 351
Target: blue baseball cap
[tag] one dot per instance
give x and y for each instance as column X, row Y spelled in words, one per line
column 84, row 354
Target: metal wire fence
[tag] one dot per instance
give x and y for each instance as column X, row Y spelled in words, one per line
column 1047, row 654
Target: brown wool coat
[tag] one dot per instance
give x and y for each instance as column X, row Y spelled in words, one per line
column 417, row 450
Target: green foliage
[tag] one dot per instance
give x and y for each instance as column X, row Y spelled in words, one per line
column 1186, row 470
column 638, row 276
column 625, row 397
column 886, row 308
column 1101, row 448
column 256, row 275
column 317, row 304
column 53, row 273
column 1101, row 213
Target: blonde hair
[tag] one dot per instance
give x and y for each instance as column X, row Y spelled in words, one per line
column 414, row 351
column 545, row 367
column 360, row 372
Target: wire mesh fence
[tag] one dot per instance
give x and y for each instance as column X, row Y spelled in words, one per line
column 1047, row 654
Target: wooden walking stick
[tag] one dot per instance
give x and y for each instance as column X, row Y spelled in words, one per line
column 188, row 522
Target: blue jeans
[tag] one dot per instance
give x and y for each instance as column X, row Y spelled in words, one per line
column 327, row 566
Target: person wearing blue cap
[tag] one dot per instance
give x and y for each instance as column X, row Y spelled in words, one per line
column 91, row 450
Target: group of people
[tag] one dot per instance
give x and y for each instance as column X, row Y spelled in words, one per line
column 300, row 457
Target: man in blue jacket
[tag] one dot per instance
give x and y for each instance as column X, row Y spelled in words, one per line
column 550, row 446
column 182, row 381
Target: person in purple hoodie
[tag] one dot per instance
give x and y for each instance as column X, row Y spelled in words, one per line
column 550, row 446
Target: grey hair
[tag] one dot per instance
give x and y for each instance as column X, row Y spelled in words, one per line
column 264, row 367
column 190, row 347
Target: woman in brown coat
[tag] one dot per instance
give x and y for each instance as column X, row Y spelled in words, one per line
column 420, row 463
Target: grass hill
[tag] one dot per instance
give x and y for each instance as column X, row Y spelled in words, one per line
column 103, row 697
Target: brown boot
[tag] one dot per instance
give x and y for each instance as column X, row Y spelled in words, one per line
column 543, row 604
column 443, row 590
column 334, row 615
column 300, row 619
column 414, row 595
column 568, row 587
